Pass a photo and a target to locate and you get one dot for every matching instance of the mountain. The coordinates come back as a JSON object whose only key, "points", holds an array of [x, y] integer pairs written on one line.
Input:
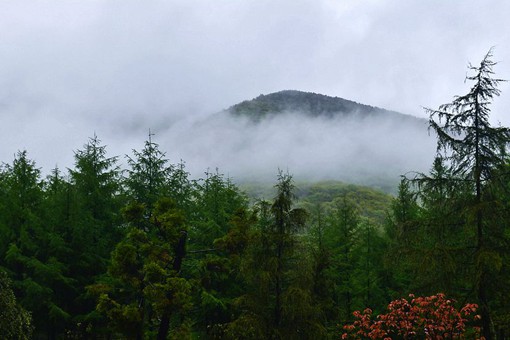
{"points": [[312, 136], [310, 104]]}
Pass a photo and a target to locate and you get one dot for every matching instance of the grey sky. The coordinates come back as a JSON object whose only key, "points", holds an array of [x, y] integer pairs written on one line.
{"points": [[117, 68]]}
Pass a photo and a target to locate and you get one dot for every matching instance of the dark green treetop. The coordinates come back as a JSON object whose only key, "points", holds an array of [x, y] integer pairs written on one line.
{"points": [[473, 147]]}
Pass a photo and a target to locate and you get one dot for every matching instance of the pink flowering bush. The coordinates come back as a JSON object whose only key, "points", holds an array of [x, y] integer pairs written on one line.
{"points": [[430, 317]]}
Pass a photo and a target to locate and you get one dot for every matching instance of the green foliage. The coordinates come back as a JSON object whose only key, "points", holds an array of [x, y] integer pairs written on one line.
{"points": [[222, 227], [216, 200], [21, 200], [143, 288], [370, 203], [36, 269], [450, 227], [148, 175], [15, 322], [341, 232], [278, 301], [232, 266], [347, 262], [92, 254], [477, 148]]}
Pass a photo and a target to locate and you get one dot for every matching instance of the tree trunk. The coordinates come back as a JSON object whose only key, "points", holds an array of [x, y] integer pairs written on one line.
{"points": [[484, 310], [164, 326], [278, 287]]}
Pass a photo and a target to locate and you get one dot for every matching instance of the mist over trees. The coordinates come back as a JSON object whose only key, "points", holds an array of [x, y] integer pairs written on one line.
{"points": [[318, 137], [146, 251]]}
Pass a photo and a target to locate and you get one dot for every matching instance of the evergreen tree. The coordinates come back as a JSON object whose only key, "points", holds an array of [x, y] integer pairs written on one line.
{"points": [[220, 276], [369, 274], [22, 197], [285, 223], [92, 209], [96, 183], [149, 175], [474, 151], [220, 229], [180, 188], [216, 199], [15, 322], [323, 270], [499, 210], [443, 237], [342, 229], [279, 299], [144, 295], [401, 230], [30, 253]]}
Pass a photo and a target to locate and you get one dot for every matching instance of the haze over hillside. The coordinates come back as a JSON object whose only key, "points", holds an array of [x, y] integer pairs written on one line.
{"points": [[313, 136]]}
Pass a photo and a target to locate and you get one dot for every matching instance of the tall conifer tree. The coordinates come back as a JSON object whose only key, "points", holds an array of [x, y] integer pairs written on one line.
{"points": [[149, 175], [474, 151]]}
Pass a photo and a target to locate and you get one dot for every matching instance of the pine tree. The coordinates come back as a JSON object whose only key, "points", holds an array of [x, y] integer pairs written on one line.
{"points": [[221, 230], [22, 197], [278, 303], [92, 210], [474, 151], [30, 251], [401, 230], [324, 271], [369, 272], [96, 184], [342, 229], [216, 199], [144, 295], [286, 222], [148, 177], [443, 236]]}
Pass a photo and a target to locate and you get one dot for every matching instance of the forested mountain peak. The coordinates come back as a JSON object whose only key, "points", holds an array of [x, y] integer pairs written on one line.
{"points": [[309, 103]]}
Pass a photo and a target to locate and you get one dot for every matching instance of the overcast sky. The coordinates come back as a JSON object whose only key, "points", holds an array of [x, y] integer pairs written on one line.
{"points": [[69, 69]]}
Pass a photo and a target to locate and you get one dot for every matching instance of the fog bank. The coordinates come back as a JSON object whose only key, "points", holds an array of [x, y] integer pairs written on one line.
{"points": [[371, 150]]}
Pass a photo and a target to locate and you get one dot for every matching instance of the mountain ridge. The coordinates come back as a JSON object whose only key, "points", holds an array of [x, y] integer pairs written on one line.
{"points": [[308, 103]]}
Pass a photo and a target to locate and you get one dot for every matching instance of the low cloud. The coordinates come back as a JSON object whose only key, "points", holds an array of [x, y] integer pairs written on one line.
{"points": [[371, 150]]}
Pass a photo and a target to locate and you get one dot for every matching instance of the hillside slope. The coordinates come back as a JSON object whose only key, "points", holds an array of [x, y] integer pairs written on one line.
{"points": [[371, 203], [310, 104]]}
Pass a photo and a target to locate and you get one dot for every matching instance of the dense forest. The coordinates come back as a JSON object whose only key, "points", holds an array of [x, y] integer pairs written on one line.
{"points": [[147, 252]]}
